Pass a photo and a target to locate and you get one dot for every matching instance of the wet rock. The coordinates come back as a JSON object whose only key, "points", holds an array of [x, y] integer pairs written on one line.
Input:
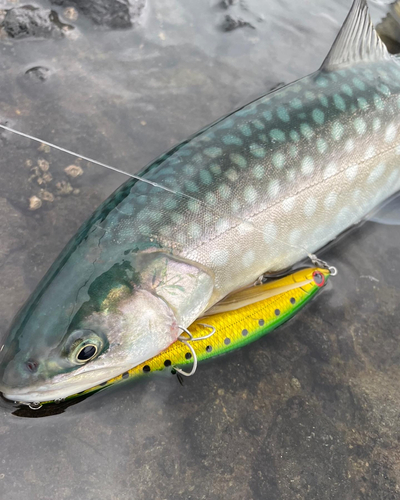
{"points": [[389, 28], [13, 230], [225, 4], [37, 74], [29, 21], [231, 23], [111, 13]]}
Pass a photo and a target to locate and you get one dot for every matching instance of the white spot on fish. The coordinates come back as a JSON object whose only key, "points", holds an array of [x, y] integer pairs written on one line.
{"points": [[288, 204], [351, 172], [248, 258], [359, 83], [235, 205], [250, 194], [349, 146], [194, 230], [210, 198], [231, 174], [273, 188], [277, 135], [369, 153], [270, 231], [345, 216], [360, 126], [297, 104], [330, 200], [339, 102], [291, 174], [306, 130], [307, 165], [322, 145], [222, 225], [283, 114], [232, 139], [362, 103], [213, 152], [245, 228], [376, 124], [224, 191], [390, 133], [330, 170], [258, 171], [318, 116], [337, 131], [310, 207], [257, 150], [219, 257], [376, 173], [239, 160], [278, 159], [295, 236]]}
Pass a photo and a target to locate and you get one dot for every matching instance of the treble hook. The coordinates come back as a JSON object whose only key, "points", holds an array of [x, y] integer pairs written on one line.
{"points": [[186, 341]]}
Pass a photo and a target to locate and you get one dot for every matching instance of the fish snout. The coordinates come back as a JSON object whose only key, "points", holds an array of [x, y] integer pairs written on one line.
{"points": [[20, 374]]}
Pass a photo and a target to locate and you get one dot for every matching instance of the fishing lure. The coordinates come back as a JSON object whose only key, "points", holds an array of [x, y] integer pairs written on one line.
{"points": [[225, 328]]}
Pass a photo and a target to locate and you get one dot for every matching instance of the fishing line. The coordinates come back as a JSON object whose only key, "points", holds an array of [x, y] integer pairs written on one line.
{"points": [[154, 184]]}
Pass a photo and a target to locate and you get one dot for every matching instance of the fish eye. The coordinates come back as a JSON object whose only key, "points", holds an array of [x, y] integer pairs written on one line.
{"points": [[319, 278], [87, 352], [83, 346]]}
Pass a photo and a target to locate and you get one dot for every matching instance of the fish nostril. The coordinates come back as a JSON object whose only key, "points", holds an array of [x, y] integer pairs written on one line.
{"points": [[32, 366]]}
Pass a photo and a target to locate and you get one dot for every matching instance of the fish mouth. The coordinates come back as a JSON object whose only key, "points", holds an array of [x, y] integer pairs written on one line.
{"points": [[60, 387]]}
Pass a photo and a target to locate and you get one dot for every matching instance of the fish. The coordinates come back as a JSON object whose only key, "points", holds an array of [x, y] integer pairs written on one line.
{"points": [[283, 299], [257, 191]]}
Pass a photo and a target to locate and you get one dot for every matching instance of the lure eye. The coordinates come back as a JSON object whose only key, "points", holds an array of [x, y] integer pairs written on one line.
{"points": [[86, 353], [319, 278]]}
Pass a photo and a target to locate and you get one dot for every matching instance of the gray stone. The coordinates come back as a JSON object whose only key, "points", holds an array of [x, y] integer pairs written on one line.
{"points": [[110, 13], [29, 21]]}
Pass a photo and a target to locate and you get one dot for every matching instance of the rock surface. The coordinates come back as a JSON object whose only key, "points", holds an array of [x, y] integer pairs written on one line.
{"points": [[109, 13], [30, 21]]}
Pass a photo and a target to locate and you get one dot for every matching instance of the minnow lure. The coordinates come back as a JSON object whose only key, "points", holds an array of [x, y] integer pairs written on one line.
{"points": [[233, 329], [255, 192]]}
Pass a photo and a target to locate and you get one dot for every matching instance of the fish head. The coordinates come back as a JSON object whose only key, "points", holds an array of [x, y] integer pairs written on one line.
{"points": [[81, 329]]}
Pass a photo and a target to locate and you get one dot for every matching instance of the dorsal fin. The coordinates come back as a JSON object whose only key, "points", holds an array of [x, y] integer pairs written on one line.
{"points": [[357, 41]]}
